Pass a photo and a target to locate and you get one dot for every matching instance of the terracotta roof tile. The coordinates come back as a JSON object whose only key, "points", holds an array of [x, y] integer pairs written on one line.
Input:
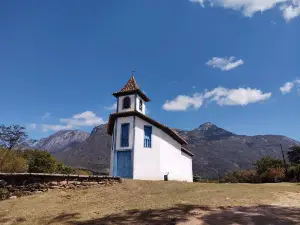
{"points": [[131, 85]]}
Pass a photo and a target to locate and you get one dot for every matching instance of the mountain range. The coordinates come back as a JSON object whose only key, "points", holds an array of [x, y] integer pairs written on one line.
{"points": [[216, 151]]}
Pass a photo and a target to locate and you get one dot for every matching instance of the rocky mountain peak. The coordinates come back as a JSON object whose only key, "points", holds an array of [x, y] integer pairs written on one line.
{"points": [[61, 139], [207, 126], [211, 132]]}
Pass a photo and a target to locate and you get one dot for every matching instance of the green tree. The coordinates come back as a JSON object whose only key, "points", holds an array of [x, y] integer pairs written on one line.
{"points": [[40, 162], [294, 155], [262, 165], [11, 137], [14, 136], [294, 172]]}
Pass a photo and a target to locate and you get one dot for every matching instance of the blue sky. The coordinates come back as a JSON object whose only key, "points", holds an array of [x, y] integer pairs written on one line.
{"points": [[198, 61]]}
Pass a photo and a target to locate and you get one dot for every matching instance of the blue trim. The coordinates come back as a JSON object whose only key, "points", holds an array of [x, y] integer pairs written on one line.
{"points": [[135, 96], [122, 140], [118, 104], [115, 151], [124, 150], [133, 137], [148, 142]]}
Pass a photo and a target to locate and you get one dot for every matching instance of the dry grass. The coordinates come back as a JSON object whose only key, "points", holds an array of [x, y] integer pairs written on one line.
{"points": [[146, 202]]}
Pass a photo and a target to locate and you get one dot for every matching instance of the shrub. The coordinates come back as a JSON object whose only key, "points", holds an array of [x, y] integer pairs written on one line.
{"points": [[62, 169], [40, 162], [263, 164], [13, 162], [243, 176], [273, 175], [4, 194], [83, 172], [294, 172]]}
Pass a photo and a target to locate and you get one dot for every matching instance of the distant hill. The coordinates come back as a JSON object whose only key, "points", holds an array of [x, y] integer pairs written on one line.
{"points": [[216, 150]]}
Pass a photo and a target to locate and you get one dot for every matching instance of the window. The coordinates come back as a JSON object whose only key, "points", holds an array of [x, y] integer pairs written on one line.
{"points": [[147, 139], [141, 105], [125, 135], [126, 103]]}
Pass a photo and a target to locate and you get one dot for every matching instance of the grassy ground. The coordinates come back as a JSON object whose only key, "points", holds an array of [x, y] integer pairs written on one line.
{"points": [[145, 202]]}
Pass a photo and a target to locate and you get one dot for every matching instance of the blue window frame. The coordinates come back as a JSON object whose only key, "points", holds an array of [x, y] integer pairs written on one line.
{"points": [[148, 135], [125, 135]]}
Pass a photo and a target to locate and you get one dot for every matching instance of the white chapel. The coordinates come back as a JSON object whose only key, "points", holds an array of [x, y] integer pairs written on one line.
{"points": [[143, 148]]}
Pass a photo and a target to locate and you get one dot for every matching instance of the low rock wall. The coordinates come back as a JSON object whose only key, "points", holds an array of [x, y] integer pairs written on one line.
{"points": [[19, 184]]}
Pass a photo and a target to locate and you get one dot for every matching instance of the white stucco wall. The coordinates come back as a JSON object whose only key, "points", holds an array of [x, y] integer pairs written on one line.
{"points": [[187, 167], [174, 162], [146, 163], [119, 122], [163, 157], [138, 98], [132, 103]]}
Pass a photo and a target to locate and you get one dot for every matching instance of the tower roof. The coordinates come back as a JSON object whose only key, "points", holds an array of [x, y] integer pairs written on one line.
{"points": [[131, 87]]}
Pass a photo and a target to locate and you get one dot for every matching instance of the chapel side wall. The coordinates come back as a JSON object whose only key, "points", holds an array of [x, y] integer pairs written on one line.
{"points": [[187, 167], [172, 161]]}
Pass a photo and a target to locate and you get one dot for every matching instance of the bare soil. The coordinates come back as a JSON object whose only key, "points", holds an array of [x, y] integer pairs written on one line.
{"points": [[150, 202]]}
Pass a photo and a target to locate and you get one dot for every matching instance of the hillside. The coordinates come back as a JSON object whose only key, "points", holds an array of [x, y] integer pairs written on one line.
{"points": [[62, 141], [216, 150]]}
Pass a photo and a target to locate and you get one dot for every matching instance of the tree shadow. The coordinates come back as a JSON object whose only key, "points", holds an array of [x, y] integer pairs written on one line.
{"points": [[254, 215]]}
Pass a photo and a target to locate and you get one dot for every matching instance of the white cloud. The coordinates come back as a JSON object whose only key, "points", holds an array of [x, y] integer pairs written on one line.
{"points": [[49, 127], [288, 86], [85, 119], [290, 8], [222, 96], [32, 126], [225, 63], [183, 102], [239, 96], [46, 115], [112, 107], [201, 2], [290, 11]]}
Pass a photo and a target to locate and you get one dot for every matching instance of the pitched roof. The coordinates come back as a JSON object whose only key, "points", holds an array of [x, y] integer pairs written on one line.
{"points": [[131, 87], [166, 129], [187, 151]]}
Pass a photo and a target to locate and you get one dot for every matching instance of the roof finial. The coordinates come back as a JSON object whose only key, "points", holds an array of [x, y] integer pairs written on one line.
{"points": [[133, 71]]}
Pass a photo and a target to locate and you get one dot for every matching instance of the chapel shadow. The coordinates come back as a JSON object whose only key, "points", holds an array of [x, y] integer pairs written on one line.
{"points": [[254, 215]]}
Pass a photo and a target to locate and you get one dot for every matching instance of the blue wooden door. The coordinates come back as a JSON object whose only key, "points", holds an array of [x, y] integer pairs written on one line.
{"points": [[124, 164]]}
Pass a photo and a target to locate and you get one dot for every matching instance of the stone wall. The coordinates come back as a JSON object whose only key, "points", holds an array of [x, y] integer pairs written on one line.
{"points": [[13, 185]]}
